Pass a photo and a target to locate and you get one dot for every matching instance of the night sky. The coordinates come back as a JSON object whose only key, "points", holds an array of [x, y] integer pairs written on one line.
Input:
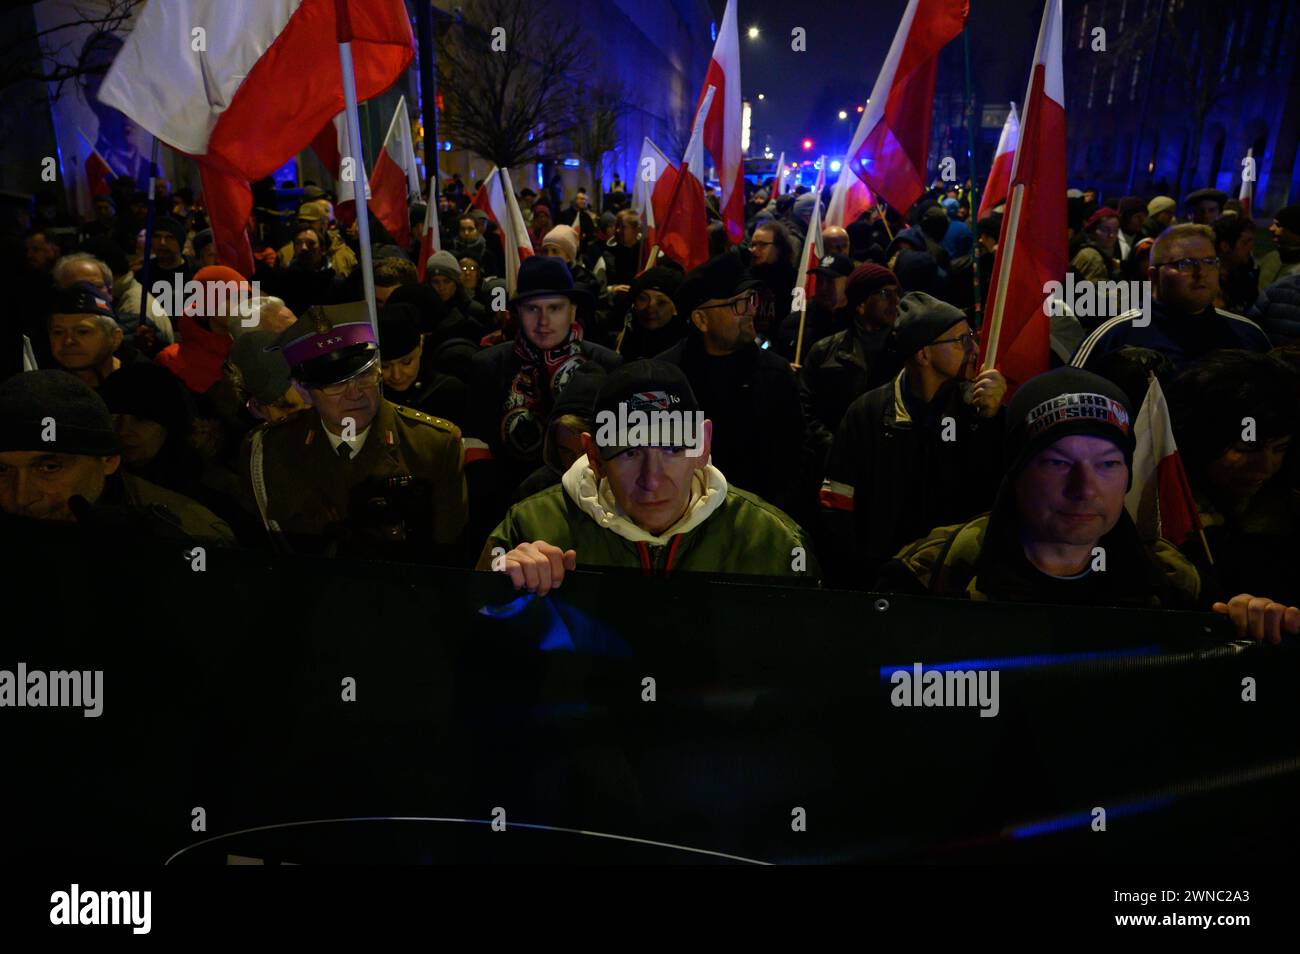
{"points": [[847, 43]]}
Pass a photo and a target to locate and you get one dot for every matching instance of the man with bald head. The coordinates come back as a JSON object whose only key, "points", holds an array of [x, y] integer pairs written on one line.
{"points": [[1183, 325], [835, 240]]}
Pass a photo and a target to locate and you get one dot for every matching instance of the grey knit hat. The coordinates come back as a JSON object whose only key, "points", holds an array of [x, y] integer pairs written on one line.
{"points": [[57, 412], [265, 373], [443, 263]]}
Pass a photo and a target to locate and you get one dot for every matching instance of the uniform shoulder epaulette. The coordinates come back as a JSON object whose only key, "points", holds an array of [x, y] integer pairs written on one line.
{"points": [[442, 424]]}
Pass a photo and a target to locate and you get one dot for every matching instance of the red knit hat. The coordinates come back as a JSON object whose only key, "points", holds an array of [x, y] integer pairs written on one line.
{"points": [[867, 279]]}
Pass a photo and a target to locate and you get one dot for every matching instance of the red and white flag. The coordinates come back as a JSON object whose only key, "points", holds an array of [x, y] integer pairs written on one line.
{"points": [[267, 82], [778, 187], [999, 182], [496, 197], [812, 243], [1247, 193], [430, 241], [331, 146], [654, 184], [98, 172], [891, 145], [394, 178], [1160, 501], [722, 127], [684, 230], [1032, 244]]}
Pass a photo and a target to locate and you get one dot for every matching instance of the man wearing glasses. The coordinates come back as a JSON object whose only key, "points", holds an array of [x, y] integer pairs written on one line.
{"points": [[357, 475], [1184, 324], [749, 393], [920, 452]]}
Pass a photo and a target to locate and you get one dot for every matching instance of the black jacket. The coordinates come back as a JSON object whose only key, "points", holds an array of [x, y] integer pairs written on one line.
{"points": [[753, 402], [892, 477], [836, 371]]}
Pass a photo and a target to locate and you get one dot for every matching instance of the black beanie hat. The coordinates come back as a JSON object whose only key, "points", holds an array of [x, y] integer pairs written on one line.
{"points": [[1061, 403], [149, 391], [55, 404], [399, 330]]}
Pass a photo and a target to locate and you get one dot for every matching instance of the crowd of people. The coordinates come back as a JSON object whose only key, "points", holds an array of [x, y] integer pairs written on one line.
{"points": [[854, 442]]}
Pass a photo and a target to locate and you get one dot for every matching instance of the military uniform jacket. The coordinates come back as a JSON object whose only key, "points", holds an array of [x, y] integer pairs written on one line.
{"points": [[306, 488]]}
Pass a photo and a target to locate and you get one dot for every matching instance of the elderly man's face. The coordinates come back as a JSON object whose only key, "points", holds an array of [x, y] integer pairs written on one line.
{"points": [[728, 324], [652, 485], [354, 401], [1193, 291], [546, 321], [39, 484], [1072, 493], [87, 273], [82, 342]]}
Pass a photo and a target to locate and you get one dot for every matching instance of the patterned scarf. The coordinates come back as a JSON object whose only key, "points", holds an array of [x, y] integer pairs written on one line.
{"points": [[541, 377]]}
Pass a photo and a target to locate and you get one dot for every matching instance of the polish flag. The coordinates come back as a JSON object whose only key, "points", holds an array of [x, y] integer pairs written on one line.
{"points": [[812, 243], [891, 146], [267, 83], [723, 122], [684, 232], [995, 190], [331, 146], [1247, 193], [98, 172], [1160, 501], [778, 187], [655, 176], [394, 178], [1032, 244], [496, 197], [849, 199], [430, 241]]}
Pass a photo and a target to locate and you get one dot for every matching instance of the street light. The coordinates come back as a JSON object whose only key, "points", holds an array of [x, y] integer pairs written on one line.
{"points": [[753, 33], [761, 96], [843, 114], [807, 144]]}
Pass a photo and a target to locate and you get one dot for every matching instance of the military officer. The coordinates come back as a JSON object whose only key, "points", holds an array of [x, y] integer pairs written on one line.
{"points": [[356, 475]]}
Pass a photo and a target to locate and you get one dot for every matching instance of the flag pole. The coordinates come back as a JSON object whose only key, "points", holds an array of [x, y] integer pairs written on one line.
{"points": [[1004, 273], [344, 24], [148, 228], [884, 217], [970, 157]]}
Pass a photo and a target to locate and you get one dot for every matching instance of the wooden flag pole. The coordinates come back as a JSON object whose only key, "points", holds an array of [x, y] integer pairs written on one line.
{"points": [[879, 208], [1005, 255]]}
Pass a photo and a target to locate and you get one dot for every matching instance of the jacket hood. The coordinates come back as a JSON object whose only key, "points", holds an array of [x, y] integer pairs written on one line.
{"points": [[708, 491]]}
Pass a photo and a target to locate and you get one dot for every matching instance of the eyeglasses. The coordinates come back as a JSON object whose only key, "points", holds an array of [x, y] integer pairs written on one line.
{"points": [[1192, 264], [469, 268], [365, 380], [967, 341], [739, 306]]}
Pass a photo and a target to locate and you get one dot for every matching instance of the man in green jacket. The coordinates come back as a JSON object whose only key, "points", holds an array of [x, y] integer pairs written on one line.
{"points": [[645, 495], [1058, 532]]}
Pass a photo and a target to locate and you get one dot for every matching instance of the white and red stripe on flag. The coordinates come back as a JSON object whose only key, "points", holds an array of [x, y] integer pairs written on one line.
{"points": [[1160, 500], [431, 240], [394, 179], [722, 126], [1247, 194], [496, 197], [267, 84], [999, 181]]}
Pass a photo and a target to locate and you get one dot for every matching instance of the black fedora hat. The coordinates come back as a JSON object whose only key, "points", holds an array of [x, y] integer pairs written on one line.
{"points": [[545, 276]]}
